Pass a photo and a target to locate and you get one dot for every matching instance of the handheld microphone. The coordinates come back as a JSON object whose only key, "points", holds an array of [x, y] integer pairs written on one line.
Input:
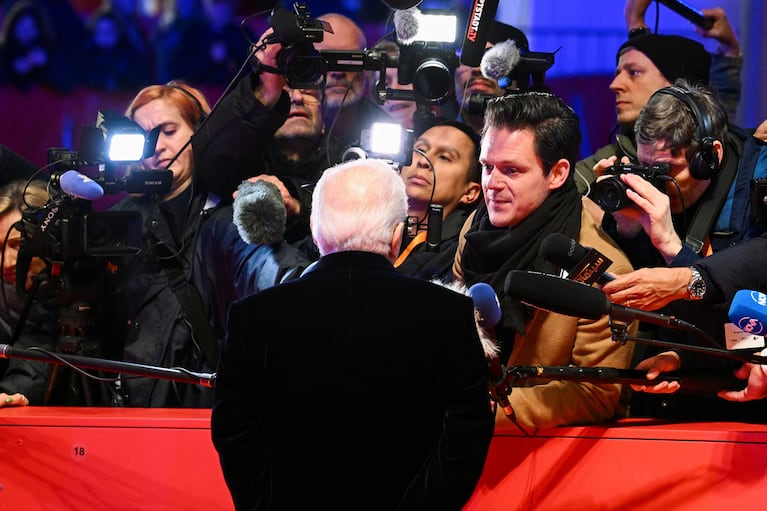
{"points": [[481, 17], [572, 298], [689, 13], [498, 62], [79, 185], [406, 24], [259, 213], [586, 265], [486, 304], [748, 311], [434, 228]]}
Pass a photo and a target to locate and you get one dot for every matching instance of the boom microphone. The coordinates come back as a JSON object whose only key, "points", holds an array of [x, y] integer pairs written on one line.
{"points": [[406, 24], [571, 298], [582, 264], [688, 383], [486, 304], [498, 62], [481, 18], [79, 185], [748, 311], [259, 212]]}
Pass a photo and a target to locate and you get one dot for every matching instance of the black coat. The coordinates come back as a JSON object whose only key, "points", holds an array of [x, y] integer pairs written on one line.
{"points": [[352, 387]]}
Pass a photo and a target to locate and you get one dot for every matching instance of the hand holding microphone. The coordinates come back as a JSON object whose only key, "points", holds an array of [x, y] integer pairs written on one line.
{"points": [[259, 212]]}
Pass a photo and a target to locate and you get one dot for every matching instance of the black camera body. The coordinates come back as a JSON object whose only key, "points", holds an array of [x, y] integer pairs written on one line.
{"points": [[298, 60], [610, 193]]}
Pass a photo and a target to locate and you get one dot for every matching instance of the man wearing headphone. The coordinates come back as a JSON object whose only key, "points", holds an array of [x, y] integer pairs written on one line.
{"points": [[697, 207]]}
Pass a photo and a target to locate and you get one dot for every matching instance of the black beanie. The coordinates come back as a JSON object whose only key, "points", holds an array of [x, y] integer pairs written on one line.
{"points": [[500, 32], [674, 56]]}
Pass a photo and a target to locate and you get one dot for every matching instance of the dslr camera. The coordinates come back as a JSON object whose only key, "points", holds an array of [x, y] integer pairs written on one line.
{"points": [[610, 193]]}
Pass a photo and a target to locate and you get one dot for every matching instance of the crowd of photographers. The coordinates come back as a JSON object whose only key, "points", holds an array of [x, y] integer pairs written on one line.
{"points": [[679, 184]]}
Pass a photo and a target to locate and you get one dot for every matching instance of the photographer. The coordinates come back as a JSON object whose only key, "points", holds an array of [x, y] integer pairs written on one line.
{"points": [[649, 61], [700, 207], [23, 382]]}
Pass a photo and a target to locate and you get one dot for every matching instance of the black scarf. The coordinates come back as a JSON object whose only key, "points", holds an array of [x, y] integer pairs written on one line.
{"points": [[492, 252]]}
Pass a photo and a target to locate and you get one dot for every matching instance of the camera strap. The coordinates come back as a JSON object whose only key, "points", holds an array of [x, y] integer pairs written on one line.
{"points": [[711, 206], [191, 304]]}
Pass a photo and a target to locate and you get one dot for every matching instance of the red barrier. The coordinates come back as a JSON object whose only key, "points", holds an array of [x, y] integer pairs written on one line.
{"points": [[163, 459]]}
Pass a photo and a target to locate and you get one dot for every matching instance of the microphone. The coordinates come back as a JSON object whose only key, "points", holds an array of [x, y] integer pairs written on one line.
{"points": [[586, 265], [689, 13], [498, 62], [481, 17], [434, 228], [748, 311], [689, 383], [406, 24], [259, 213], [486, 304], [79, 185], [572, 298]]}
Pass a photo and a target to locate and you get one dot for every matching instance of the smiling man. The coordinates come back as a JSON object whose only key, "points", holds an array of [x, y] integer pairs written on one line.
{"points": [[529, 146]]}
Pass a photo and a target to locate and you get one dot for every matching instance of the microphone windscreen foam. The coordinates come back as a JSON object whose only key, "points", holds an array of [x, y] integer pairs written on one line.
{"points": [[259, 213], [561, 250], [555, 294], [406, 25], [500, 60]]}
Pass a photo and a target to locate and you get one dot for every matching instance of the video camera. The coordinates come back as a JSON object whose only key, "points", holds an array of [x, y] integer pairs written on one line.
{"points": [[610, 193], [427, 64], [66, 227]]}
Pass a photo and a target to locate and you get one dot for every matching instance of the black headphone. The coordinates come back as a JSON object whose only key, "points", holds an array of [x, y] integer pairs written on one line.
{"points": [[704, 164], [203, 115]]}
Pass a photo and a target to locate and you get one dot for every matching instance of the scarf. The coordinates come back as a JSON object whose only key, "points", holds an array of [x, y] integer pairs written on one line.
{"points": [[491, 252]]}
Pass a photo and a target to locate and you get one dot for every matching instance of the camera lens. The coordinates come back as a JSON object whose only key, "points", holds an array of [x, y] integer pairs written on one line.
{"points": [[303, 66], [610, 194], [432, 80]]}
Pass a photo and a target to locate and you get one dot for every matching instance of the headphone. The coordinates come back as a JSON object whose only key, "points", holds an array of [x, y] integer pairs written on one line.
{"points": [[704, 164], [203, 115]]}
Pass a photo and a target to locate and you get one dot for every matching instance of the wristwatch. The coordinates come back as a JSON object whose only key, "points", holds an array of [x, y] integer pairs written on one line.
{"points": [[634, 32], [696, 289]]}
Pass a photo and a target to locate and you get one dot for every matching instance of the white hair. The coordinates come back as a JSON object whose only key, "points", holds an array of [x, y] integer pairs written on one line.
{"points": [[357, 205]]}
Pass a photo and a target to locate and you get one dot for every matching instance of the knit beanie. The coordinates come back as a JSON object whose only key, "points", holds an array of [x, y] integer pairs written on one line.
{"points": [[674, 56], [500, 32]]}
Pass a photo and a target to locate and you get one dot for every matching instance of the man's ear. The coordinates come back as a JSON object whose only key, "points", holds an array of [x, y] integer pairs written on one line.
{"points": [[558, 174], [471, 194], [718, 150], [396, 242]]}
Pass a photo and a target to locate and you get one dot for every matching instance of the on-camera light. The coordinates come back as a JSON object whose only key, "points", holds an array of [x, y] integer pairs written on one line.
{"points": [[436, 28], [385, 138]]}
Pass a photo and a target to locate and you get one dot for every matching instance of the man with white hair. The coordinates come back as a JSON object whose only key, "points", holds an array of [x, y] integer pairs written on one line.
{"points": [[397, 401]]}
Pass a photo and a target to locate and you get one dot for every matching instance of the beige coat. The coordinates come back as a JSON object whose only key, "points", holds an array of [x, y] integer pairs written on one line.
{"points": [[554, 340]]}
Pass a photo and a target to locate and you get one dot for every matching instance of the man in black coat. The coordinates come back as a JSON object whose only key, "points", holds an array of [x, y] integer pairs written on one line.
{"points": [[370, 390]]}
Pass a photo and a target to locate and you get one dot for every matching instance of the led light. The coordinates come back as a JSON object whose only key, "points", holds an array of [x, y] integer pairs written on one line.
{"points": [[436, 28]]}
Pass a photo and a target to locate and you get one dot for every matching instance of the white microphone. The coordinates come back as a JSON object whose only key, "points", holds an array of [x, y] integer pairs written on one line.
{"points": [[259, 213], [406, 24], [79, 185], [499, 61]]}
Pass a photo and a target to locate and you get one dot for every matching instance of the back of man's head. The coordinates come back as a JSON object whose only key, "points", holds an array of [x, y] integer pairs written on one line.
{"points": [[357, 205], [555, 125], [674, 56]]}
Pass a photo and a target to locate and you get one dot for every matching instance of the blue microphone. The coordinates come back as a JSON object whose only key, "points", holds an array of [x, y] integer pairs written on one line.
{"points": [[79, 185], [748, 311], [486, 304]]}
